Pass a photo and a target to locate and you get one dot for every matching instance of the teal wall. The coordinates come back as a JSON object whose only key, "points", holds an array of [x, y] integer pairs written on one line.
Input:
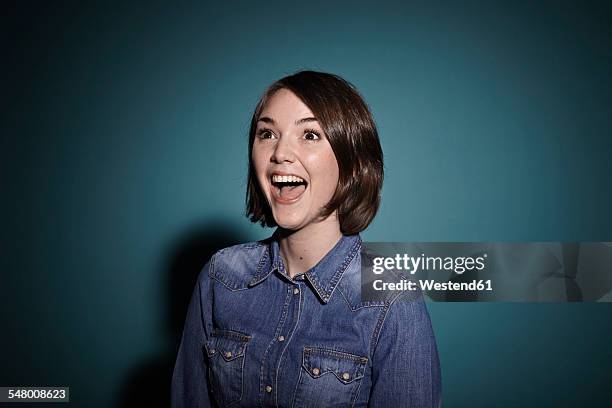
{"points": [[123, 143]]}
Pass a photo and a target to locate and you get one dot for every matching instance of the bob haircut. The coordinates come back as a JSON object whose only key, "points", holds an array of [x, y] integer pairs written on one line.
{"points": [[350, 129]]}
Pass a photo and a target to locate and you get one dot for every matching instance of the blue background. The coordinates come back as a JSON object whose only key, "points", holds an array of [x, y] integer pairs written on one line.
{"points": [[124, 158]]}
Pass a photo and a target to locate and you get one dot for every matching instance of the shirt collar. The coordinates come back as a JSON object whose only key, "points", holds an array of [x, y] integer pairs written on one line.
{"points": [[324, 276]]}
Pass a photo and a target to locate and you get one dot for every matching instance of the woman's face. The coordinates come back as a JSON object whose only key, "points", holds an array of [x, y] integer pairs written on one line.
{"points": [[295, 165]]}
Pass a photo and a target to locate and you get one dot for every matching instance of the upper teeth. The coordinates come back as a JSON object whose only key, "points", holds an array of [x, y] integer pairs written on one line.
{"points": [[287, 179]]}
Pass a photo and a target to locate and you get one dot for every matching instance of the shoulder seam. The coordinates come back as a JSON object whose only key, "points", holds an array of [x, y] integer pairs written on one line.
{"points": [[219, 259], [381, 321]]}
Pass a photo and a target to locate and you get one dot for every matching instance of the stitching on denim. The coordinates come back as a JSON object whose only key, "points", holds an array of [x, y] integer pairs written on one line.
{"points": [[211, 267], [318, 286], [353, 358], [211, 383], [259, 274], [349, 258], [290, 335], [225, 280], [207, 347], [209, 380], [335, 353], [252, 245], [323, 293], [315, 284], [354, 396], [297, 386], [360, 305], [262, 261], [364, 305], [242, 357], [212, 272], [334, 373], [229, 285], [231, 334], [242, 374], [382, 321], [375, 334], [265, 356], [299, 313], [346, 300]]}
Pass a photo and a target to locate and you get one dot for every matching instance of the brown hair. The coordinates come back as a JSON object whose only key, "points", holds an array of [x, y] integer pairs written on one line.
{"points": [[351, 131]]}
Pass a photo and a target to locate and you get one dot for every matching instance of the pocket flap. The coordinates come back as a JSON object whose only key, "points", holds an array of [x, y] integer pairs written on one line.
{"points": [[346, 367], [228, 344]]}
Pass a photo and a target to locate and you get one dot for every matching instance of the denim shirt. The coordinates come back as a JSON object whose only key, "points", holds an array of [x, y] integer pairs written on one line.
{"points": [[255, 337]]}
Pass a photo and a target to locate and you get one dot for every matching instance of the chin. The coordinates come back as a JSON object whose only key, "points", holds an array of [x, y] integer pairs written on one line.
{"points": [[289, 222]]}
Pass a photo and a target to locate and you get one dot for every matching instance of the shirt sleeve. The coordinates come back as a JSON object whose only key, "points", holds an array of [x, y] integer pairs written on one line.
{"points": [[405, 363], [189, 382]]}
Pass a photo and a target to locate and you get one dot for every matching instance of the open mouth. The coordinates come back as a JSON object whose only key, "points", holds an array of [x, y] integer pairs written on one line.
{"points": [[287, 189]]}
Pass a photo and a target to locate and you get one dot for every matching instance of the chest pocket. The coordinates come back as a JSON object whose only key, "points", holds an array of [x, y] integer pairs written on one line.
{"points": [[328, 378], [225, 351]]}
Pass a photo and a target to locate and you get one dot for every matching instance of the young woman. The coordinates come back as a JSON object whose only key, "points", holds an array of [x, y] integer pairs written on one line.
{"points": [[281, 322]]}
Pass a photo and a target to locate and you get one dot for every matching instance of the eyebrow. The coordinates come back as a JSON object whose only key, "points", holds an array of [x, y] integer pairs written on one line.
{"points": [[298, 122]]}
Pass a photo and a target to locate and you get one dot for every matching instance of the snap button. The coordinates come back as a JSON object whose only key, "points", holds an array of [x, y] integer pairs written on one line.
{"points": [[346, 376], [213, 351], [281, 338], [316, 371], [228, 354], [268, 388], [296, 291]]}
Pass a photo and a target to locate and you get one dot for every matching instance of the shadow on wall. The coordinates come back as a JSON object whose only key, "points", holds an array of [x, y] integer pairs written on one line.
{"points": [[148, 382]]}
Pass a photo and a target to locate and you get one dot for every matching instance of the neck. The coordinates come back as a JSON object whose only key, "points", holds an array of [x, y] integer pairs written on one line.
{"points": [[304, 248]]}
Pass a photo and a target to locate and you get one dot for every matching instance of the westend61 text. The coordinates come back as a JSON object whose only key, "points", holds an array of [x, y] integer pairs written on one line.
{"points": [[430, 284]]}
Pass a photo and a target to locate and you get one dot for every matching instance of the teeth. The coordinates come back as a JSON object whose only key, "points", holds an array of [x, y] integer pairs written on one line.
{"points": [[286, 179]]}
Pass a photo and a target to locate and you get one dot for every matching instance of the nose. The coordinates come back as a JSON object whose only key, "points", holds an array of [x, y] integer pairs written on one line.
{"points": [[283, 151]]}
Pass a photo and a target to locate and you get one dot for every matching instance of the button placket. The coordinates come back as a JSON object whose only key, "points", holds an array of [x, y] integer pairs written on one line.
{"points": [[269, 370], [281, 338]]}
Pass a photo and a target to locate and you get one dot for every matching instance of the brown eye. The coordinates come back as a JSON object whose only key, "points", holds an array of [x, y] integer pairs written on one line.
{"points": [[310, 134], [265, 134]]}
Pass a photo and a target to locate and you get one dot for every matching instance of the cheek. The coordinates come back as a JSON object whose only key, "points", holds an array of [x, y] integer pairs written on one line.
{"points": [[260, 156], [256, 157], [326, 171], [259, 165]]}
